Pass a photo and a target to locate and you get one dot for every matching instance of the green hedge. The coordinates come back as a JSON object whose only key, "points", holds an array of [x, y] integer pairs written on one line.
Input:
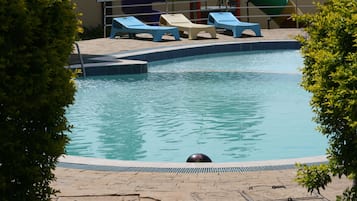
{"points": [[36, 37], [330, 75]]}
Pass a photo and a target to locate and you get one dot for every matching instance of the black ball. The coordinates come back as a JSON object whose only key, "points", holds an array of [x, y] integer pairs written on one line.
{"points": [[194, 158]]}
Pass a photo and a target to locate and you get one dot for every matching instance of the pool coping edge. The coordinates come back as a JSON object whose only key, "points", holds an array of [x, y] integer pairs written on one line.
{"points": [[78, 162]]}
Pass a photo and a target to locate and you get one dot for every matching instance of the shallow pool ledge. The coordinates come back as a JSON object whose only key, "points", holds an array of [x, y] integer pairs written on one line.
{"points": [[171, 52], [134, 62], [120, 66], [98, 164]]}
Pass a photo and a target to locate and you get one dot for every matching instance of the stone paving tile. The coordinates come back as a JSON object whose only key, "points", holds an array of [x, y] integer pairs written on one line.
{"points": [[248, 186], [106, 198], [283, 192], [102, 46]]}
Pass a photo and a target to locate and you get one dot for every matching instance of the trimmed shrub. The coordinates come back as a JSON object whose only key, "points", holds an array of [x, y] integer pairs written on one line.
{"points": [[330, 74], [36, 37]]}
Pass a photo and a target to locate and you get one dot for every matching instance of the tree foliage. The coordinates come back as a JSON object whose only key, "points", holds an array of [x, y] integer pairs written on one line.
{"points": [[313, 177], [36, 37], [330, 74]]}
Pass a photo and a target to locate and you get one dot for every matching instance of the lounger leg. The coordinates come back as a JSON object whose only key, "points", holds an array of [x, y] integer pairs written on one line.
{"points": [[192, 34], [213, 34], [157, 37], [176, 35], [131, 35], [257, 31], [237, 32], [113, 32]]}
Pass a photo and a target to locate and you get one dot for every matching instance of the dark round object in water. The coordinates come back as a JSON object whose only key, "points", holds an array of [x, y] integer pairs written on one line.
{"points": [[194, 158]]}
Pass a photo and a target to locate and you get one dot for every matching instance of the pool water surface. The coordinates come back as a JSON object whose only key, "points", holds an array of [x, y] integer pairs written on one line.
{"points": [[234, 107]]}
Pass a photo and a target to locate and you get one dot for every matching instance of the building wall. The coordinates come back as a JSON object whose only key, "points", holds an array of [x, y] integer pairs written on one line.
{"points": [[92, 14]]}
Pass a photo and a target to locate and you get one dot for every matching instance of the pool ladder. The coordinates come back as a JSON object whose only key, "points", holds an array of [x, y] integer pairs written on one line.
{"points": [[81, 60]]}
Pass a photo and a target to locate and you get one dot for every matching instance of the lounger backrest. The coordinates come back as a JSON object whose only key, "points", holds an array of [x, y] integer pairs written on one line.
{"points": [[222, 17], [129, 21], [176, 19]]}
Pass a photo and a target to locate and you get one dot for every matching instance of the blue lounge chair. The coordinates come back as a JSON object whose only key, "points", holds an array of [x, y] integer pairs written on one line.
{"points": [[227, 20], [134, 26]]}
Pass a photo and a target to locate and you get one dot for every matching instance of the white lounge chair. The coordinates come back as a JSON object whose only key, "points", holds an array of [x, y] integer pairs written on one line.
{"points": [[185, 25]]}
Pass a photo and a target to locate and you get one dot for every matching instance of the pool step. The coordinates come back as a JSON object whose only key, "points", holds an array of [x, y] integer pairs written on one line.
{"points": [[121, 66]]}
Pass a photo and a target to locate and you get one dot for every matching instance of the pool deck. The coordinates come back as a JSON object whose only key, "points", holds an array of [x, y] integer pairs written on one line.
{"points": [[85, 183]]}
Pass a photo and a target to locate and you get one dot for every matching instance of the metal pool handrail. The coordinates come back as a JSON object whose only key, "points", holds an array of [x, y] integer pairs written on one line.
{"points": [[81, 59]]}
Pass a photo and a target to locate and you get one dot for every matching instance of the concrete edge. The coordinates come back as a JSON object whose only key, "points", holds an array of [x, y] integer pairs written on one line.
{"points": [[87, 163]]}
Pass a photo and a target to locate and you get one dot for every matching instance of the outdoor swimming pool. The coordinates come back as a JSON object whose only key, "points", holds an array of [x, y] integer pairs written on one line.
{"points": [[234, 107]]}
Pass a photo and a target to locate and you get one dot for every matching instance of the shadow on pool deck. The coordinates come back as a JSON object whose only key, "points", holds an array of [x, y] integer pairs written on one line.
{"points": [[80, 184]]}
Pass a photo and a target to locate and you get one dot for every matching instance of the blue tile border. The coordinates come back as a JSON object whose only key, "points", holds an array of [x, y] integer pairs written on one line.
{"points": [[117, 69], [183, 51], [140, 58]]}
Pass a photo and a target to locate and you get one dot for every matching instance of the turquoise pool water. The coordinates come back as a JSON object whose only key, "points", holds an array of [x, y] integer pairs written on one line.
{"points": [[240, 106]]}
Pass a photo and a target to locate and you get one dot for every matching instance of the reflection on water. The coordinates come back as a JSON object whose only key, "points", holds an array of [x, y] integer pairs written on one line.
{"points": [[230, 115]]}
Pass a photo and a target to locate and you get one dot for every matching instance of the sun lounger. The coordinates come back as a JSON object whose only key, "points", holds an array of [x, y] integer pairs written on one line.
{"points": [[227, 20], [134, 26], [185, 25]]}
